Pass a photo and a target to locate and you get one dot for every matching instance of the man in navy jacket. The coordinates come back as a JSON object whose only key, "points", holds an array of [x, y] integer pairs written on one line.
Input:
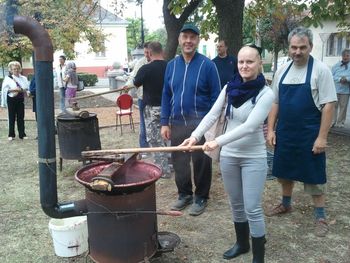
{"points": [[191, 86], [225, 63]]}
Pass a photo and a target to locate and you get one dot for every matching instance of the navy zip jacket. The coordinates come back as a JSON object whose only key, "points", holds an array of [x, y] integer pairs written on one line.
{"points": [[189, 90]]}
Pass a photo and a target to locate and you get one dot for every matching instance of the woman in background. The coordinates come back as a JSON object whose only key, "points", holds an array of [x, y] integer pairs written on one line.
{"points": [[71, 80], [14, 89]]}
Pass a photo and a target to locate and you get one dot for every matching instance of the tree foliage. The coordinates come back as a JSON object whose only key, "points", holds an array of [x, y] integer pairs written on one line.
{"points": [[176, 13], [314, 11], [318, 11], [249, 28], [159, 35], [274, 23], [133, 32], [223, 17], [67, 22]]}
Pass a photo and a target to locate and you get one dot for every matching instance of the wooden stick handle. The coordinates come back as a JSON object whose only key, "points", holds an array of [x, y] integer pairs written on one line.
{"points": [[158, 212], [142, 150], [100, 93]]}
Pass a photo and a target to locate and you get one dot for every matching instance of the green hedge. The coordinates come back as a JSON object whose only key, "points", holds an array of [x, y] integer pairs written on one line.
{"points": [[88, 79]]}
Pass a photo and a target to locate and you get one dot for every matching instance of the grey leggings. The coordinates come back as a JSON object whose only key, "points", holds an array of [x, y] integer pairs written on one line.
{"points": [[244, 180]]}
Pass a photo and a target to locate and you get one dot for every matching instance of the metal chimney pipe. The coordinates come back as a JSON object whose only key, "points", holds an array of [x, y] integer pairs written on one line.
{"points": [[43, 51]]}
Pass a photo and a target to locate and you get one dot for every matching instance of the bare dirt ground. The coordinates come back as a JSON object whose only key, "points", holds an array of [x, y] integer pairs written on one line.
{"points": [[24, 227]]}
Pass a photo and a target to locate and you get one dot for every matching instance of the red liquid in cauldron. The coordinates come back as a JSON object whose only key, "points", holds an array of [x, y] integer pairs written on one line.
{"points": [[137, 174]]}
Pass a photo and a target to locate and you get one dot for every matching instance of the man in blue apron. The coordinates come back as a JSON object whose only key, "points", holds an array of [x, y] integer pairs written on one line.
{"points": [[303, 110]]}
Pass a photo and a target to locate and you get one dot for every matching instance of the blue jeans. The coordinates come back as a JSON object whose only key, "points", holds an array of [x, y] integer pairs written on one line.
{"points": [[62, 98], [142, 136]]}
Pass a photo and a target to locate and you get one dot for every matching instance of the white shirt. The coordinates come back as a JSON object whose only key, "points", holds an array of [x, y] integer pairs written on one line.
{"points": [[60, 73], [9, 84], [322, 84], [244, 133], [130, 83]]}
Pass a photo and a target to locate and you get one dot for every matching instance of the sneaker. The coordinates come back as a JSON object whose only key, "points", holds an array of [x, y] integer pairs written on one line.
{"points": [[198, 207], [321, 228], [182, 202], [278, 210], [24, 138], [10, 138]]}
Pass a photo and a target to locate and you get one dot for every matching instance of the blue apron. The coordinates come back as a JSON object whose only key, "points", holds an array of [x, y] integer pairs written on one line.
{"points": [[297, 128]]}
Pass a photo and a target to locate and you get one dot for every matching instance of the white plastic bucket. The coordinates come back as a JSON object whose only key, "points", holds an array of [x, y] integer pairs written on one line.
{"points": [[69, 235]]}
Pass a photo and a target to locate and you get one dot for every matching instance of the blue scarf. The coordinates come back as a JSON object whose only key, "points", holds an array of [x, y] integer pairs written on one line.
{"points": [[238, 92]]}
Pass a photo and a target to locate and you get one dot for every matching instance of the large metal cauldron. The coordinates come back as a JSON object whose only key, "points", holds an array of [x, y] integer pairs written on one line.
{"points": [[77, 134], [121, 225]]}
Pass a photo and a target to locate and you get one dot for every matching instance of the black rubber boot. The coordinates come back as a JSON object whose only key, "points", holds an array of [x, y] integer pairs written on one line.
{"points": [[242, 244], [258, 245]]}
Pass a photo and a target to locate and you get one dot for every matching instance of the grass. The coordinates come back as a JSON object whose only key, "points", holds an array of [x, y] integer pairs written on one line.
{"points": [[24, 227]]}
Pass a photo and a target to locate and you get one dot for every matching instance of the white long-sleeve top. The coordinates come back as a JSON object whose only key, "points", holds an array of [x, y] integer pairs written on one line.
{"points": [[130, 83], [59, 76], [244, 133], [10, 84]]}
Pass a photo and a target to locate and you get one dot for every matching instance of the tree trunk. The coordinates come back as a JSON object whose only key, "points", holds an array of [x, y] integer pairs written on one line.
{"points": [[230, 18], [173, 25], [275, 59]]}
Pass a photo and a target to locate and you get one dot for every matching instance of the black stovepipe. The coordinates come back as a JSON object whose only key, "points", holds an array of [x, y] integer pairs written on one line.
{"points": [[43, 51]]}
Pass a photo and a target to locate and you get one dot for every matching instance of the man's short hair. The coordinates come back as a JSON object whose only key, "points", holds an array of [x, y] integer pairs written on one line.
{"points": [[146, 44], [301, 32], [63, 57], [155, 47], [222, 40], [345, 51]]}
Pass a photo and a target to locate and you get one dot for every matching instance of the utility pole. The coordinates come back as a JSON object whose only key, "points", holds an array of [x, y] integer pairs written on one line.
{"points": [[140, 2]]}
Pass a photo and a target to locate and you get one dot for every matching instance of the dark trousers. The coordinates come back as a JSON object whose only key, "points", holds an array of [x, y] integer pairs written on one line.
{"points": [[15, 108], [202, 168], [34, 107]]}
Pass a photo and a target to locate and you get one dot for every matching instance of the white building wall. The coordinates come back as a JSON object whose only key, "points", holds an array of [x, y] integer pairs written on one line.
{"points": [[319, 46], [208, 47], [116, 49]]}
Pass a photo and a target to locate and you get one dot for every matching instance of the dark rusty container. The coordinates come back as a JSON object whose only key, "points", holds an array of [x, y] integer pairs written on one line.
{"points": [[77, 134], [115, 234]]}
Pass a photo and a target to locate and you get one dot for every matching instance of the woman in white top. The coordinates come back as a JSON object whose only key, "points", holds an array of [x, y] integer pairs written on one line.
{"points": [[243, 154], [14, 89]]}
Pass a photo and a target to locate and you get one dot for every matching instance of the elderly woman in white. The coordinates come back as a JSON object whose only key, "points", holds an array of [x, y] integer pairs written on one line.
{"points": [[14, 89]]}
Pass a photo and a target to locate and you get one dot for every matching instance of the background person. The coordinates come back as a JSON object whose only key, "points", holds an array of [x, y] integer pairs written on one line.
{"points": [[59, 81], [341, 77], [191, 86], [151, 78], [72, 81], [226, 64], [243, 155], [130, 84], [303, 109], [14, 89], [32, 91]]}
